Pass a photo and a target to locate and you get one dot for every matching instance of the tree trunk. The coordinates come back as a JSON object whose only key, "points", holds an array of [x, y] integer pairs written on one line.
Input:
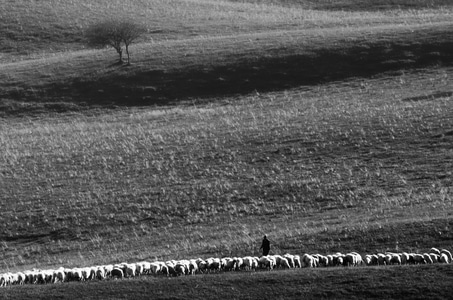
{"points": [[120, 52], [128, 57]]}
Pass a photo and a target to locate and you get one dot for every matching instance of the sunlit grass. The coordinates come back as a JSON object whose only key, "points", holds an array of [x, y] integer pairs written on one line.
{"points": [[190, 180], [36, 79], [350, 165], [45, 27]]}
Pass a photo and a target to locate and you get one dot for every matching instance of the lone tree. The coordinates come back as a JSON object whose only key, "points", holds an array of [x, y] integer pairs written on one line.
{"points": [[114, 33]]}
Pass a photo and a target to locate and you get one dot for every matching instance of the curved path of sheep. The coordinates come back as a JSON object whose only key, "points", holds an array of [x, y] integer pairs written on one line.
{"points": [[200, 266]]}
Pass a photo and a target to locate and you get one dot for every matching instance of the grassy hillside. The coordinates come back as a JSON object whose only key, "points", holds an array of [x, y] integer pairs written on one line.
{"points": [[169, 71], [354, 5], [245, 46], [31, 28], [48, 26], [326, 125], [363, 164], [409, 282]]}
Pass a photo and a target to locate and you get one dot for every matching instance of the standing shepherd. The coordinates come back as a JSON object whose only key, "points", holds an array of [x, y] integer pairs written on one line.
{"points": [[266, 246]]}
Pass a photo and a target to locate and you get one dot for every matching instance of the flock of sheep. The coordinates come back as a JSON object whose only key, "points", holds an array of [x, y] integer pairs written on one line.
{"points": [[195, 266]]}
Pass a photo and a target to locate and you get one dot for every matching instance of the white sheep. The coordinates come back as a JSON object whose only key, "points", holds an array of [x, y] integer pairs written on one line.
{"points": [[21, 278], [88, 273], [28, 276], [92, 273], [213, 264], [239, 263], [330, 260], [444, 258], [13, 278], [248, 261], [358, 258], [108, 270], [100, 273], [165, 270], [297, 261], [138, 269], [130, 270], [308, 261], [202, 265], [266, 262], [321, 260], [393, 258], [193, 267], [59, 275], [404, 258], [434, 257], [47, 276], [277, 258], [368, 260], [434, 250], [145, 267], [337, 259], [284, 263], [229, 264], [290, 259], [4, 279], [170, 267], [427, 258], [180, 269], [350, 259], [448, 253], [381, 259]]}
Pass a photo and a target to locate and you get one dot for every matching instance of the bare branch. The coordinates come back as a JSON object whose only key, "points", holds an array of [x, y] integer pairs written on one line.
{"points": [[114, 33]]}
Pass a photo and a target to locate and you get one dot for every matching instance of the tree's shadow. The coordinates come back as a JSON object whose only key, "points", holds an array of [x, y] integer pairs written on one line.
{"points": [[266, 74], [159, 87], [117, 63]]}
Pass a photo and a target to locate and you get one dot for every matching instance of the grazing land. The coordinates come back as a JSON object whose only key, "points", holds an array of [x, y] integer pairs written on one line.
{"points": [[392, 282], [327, 126]]}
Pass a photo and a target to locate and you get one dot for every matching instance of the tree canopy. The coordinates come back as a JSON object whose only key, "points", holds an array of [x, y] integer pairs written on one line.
{"points": [[114, 33]]}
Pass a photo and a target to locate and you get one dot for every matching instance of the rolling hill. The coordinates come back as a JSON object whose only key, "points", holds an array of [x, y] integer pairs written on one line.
{"points": [[325, 124]]}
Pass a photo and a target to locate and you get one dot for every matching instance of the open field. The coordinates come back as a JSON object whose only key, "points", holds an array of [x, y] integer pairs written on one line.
{"points": [[327, 126], [394, 282], [173, 71], [40, 27], [322, 168], [224, 48]]}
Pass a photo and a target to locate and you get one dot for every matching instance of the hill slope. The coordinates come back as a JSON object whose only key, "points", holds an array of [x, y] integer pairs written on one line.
{"points": [[363, 164], [30, 26], [409, 282], [327, 130], [167, 72], [245, 46]]}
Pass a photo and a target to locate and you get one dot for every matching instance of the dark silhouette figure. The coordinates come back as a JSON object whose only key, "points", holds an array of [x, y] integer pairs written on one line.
{"points": [[266, 246]]}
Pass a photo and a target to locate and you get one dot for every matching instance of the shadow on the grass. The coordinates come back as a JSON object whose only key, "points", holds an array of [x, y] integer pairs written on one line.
{"points": [[159, 87]]}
